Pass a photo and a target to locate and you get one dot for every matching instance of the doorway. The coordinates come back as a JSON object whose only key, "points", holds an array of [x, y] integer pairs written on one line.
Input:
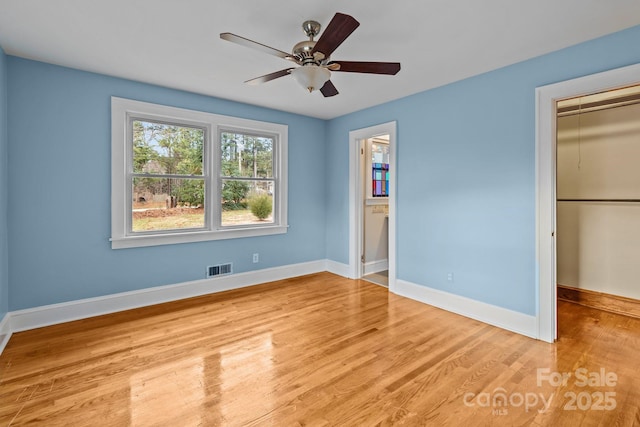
{"points": [[357, 194], [374, 173], [598, 205], [547, 98]]}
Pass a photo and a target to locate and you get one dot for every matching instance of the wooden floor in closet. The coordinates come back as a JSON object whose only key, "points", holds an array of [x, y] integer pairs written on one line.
{"points": [[319, 350]]}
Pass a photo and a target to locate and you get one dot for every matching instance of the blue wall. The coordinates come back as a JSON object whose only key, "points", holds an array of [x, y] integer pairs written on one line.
{"points": [[60, 177], [4, 188], [466, 174], [466, 182]]}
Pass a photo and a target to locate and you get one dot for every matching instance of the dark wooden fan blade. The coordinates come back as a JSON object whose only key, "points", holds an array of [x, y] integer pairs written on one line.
{"points": [[329, 89], [255, 45], [391, 68], [340, 27], [269, 77]]}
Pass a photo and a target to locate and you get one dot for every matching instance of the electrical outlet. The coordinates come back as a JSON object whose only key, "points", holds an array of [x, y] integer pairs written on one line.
{"points": [[256, 258], [450, 277]]}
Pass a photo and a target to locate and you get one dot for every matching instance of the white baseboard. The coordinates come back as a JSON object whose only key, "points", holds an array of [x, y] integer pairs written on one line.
{"points": [[338, 268], [375, 266], [5, 331], [22, 320], [493, 315]]}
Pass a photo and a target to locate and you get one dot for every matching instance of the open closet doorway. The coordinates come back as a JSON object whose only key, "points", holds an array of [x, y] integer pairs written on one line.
{"points": [[598, 200], [547, 100], [372, 247]]}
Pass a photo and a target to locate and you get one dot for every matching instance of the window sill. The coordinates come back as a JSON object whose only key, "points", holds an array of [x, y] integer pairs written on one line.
{"points": [[377, 201], [195, 236]]}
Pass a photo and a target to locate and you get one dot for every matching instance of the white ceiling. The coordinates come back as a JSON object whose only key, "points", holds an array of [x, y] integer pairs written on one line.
{"points": [[176, 43]]}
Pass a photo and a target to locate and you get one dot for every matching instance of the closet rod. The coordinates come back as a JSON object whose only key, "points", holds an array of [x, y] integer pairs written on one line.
{"points": [[601, 200], [606, 104]]}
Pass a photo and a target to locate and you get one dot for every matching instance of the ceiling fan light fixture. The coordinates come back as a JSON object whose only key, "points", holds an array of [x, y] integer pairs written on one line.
{"points": [[311, 77]]}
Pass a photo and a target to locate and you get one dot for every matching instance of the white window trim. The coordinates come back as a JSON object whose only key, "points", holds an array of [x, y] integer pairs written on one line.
{"points": [[122, 109]]}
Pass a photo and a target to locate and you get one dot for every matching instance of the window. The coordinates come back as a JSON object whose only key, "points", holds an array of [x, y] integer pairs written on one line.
{"points": [[380, 180], [247, 178], [378, 165], [183, 176], [168, 183]]}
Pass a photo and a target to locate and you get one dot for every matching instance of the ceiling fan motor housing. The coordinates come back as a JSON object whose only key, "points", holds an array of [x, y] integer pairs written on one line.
{"points": [[304, 50]]}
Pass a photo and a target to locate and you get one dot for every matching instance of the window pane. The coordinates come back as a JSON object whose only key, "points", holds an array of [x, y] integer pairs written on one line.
{"points": [[247, 202], [167, 204], [246, 155], [379, 153], [380, 180], [380, 170], [167, 149]]}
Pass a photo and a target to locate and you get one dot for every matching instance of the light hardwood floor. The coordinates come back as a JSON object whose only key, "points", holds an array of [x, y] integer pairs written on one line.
{"points": [[318, 350]]}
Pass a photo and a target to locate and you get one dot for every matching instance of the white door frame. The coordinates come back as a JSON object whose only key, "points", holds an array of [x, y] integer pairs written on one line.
{"points": [[546, 115], [355, 197]]}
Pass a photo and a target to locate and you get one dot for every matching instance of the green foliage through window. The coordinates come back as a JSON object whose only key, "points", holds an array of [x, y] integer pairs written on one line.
{"points": [[248, 159], [261, 206], [169, 150]]}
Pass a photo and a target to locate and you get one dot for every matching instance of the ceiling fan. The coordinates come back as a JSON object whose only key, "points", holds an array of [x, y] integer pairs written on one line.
{"points": [[312, 57]]}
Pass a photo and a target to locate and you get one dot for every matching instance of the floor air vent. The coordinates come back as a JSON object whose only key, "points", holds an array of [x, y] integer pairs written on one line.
{"points": [[219, 270]]}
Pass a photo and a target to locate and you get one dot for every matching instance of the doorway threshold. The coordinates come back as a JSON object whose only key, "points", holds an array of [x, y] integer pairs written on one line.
{"points": [[379, 278]]}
